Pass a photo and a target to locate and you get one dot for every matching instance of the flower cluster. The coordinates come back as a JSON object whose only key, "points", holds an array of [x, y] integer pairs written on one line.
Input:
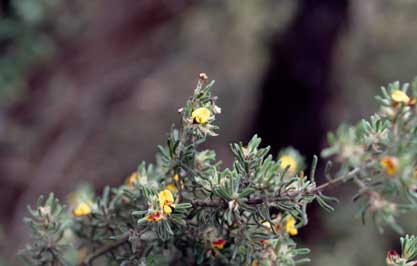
{"points": [[166, 207]]}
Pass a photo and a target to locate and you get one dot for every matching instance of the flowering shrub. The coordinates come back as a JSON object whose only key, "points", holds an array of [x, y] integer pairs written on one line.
{"points": [[186, 210]]}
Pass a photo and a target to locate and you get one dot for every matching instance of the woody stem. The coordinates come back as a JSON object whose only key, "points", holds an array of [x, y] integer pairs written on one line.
{"points": [[281, 197]]}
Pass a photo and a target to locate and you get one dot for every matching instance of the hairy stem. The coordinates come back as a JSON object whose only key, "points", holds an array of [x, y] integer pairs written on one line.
{"points": [[282, 196], [104, 249]]}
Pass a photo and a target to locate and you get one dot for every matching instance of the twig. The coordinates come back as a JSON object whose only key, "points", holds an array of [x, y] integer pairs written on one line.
{"points": [[90, 258], [281, 197], [209, 203], [337, 180]]}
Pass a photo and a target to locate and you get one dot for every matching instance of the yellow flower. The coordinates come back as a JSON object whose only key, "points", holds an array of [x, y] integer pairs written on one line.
{"points": [[172, 187], [176, 177], [290, 226], [219, 244], [166, 201], [390, 165], [255, 262], [288, 160], [154, 217], [399, 97], [201, 115], [82, 209], [132, 179]]}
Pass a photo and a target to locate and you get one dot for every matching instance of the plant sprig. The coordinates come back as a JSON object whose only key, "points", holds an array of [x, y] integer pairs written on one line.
{"points": [[196, 212]]}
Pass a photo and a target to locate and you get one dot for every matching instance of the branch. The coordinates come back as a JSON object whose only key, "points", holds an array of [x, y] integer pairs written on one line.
{"points": [[218, 203], [282, 197], [209, 203], [90, 258], [336, 180]]}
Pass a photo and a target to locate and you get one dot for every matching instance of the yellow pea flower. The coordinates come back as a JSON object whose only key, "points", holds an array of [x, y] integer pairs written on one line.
{"points": [[390, 165], [134, 177], [290, 226], [400, 97], [82, 209], [201, 115], [172, 187], [154, 217], [288, 160], [166, 201]]}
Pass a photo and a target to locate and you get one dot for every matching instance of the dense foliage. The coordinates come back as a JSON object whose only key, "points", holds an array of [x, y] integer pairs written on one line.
{"points": [[188, 210]]}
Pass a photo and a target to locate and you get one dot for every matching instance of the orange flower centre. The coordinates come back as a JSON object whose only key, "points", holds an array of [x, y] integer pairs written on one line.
{"points": [[390, 165], [154, 217], [219, 244]]}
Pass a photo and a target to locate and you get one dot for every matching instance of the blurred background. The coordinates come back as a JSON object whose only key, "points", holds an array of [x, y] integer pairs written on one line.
{"points": [[89, 88]]}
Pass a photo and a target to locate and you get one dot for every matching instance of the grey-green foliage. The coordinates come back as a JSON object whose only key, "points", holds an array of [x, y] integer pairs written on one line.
{"points": [[187, 210], [383, 149], [238, 215], [48, 223]]}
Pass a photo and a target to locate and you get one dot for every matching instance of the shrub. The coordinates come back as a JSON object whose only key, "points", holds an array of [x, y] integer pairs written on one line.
{"points": [[186, 210]]}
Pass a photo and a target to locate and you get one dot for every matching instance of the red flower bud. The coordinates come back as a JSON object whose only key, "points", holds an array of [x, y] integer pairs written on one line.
{"points": [[203, 77], [392, 256]]}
